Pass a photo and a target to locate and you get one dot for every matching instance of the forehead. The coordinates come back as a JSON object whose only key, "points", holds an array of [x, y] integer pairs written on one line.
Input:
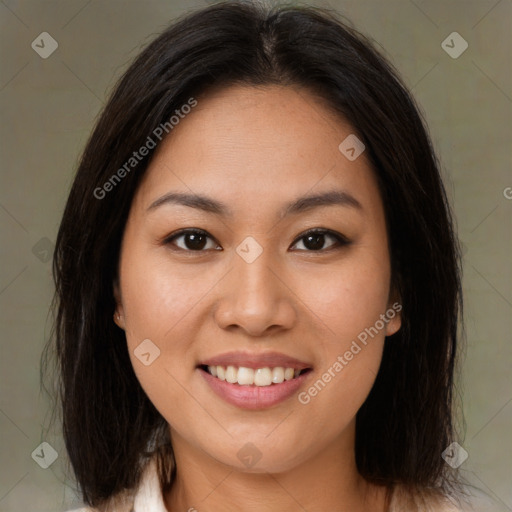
{"points": [[256, 144]]}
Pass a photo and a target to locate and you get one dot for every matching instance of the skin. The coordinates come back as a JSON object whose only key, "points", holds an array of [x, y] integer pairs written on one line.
{"points": [[306, 303]]}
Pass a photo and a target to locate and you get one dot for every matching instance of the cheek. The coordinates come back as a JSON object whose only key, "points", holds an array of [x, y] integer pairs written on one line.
{"points": [[157, 297], [160, 305], [349, 305], [341, 384], [348, 299]]}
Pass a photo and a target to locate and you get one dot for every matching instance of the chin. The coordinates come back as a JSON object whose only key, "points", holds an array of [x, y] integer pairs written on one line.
{"points": [[260, 458]]}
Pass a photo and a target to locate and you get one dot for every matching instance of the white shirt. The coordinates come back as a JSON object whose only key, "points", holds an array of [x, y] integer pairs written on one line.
{"points": [[148, 497]]}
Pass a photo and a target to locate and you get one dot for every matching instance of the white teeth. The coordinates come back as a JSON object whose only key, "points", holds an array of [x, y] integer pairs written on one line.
{"points": [[245, 376], [278, 375], [231, 374], [259, 377], [263, 377], [288, 374]]}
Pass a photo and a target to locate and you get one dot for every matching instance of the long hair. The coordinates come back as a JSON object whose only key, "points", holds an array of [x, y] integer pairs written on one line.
{"points": [[110, 427]]}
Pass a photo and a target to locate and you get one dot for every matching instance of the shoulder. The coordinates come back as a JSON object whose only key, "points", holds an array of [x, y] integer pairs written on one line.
{"points": [[147, 496], [405, 499], [119, 507], [431, 500], [118, 503], [83, 509], [476, 500], [121, 502]]}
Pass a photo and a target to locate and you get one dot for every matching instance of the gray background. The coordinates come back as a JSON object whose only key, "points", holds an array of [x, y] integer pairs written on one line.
{"points": [[48, 107]]}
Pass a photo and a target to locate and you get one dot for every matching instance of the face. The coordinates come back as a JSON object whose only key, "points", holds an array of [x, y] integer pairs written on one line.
{"points": [[240, 280]]}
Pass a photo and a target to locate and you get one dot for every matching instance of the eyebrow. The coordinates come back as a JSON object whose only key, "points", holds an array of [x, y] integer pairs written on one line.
{"points": [[299, 205]]}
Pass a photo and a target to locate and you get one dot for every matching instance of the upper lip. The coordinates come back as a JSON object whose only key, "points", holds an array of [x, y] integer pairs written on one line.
{"points": [[253, 360]]}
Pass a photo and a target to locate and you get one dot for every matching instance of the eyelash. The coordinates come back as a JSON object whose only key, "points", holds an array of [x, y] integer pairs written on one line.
{"points": [[341, 240]]}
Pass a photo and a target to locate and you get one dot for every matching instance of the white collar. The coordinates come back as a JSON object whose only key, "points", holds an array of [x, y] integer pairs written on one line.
{"points": [[149, 494]]}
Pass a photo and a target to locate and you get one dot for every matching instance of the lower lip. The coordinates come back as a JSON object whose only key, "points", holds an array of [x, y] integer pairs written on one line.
{"points": [[254, 397]]}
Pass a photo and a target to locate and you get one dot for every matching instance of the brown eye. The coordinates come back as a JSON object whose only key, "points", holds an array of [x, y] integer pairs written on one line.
{"points": [[313, 241], [193, 240]]}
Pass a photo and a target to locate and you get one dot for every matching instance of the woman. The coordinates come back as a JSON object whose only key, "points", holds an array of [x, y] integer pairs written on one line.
{"points": [[258, 280]]}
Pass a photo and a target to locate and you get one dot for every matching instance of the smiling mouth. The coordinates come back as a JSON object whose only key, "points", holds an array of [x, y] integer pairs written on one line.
{"points": [[243, 376]]}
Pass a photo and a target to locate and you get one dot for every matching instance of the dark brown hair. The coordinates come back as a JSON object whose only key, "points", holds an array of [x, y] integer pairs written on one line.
{"points": [[109, 424]]}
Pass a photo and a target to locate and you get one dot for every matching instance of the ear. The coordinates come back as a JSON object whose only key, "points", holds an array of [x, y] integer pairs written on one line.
{"points": [[119, 311], [394, 313]]}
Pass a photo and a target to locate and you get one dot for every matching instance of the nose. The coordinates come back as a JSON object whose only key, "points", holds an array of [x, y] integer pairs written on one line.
{"points": [[256, 297]]}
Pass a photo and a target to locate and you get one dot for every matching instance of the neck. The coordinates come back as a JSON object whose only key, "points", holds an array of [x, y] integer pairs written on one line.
{"points": [[327, 481]]}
